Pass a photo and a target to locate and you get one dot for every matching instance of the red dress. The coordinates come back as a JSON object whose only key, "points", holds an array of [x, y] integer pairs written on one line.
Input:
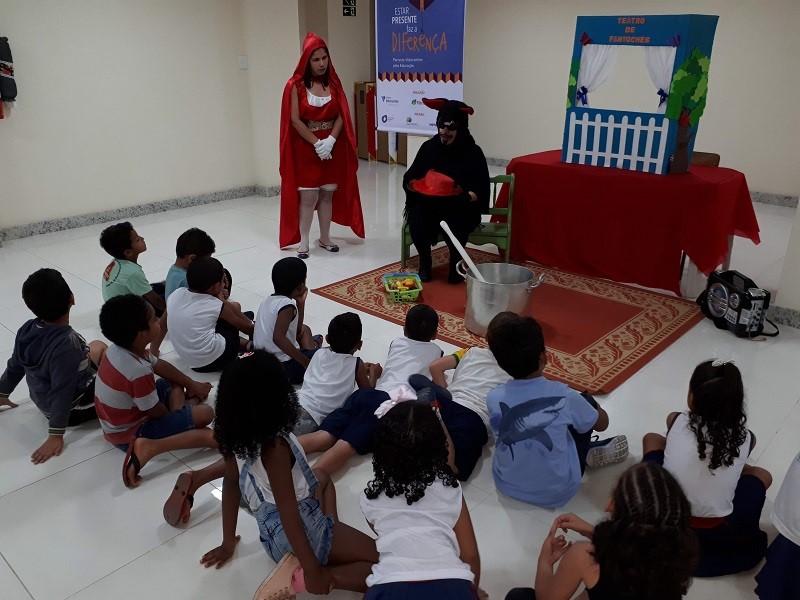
{"points": [[311, 171], [299, 157]]}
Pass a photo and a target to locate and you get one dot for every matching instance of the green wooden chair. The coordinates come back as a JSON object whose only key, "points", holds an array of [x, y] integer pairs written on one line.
{"points": [[498, 234]]}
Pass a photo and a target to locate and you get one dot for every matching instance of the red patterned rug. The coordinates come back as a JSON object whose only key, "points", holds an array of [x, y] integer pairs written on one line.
{"points": [[598, 333]]}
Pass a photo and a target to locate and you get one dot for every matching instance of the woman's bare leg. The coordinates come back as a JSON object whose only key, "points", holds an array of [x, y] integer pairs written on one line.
{"points": [[308, 203], [324, 215]]}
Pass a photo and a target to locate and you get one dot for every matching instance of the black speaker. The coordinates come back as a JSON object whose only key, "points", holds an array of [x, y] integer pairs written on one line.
{"points": [[735, 302]]}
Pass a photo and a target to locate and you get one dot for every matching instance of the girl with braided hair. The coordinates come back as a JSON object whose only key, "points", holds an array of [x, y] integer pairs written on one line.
{"points": [[414, 503], [706, 450], [644, 551]]}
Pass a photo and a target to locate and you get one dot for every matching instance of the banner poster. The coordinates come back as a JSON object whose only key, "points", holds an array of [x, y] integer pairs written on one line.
{"points": [[420, 54]]}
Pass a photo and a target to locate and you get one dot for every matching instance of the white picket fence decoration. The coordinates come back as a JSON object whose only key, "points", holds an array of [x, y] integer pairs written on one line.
{"points": [[614, 153]]}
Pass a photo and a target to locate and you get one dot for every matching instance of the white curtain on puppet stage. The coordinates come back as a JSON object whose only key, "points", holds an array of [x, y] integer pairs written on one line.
{"points": [[660, 61], [597, 62]]}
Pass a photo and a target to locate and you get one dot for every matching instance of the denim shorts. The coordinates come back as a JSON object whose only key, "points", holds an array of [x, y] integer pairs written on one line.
{"points": [[318, 526]]}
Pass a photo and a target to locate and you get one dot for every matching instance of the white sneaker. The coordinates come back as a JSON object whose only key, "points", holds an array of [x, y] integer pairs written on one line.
{"points": [[607, 452], [278, 584]]}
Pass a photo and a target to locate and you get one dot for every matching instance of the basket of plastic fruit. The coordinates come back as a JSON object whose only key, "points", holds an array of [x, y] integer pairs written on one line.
{"points": [[403, 287]]}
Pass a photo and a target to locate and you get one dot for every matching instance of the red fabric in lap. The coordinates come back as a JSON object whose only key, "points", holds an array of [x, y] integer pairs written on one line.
{"points": [[623, 225]]}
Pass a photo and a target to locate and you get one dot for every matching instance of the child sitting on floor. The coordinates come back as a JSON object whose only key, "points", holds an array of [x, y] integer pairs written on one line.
{"points": [[541, 426], [279, 322], [204, 329], [645, 550], [295, 506], [414, 503], [779, 578], [350, 429], [124, 275], [192, 243], [706, 449], [138, 414], [58, 365], [462, 404], [332, 373]]}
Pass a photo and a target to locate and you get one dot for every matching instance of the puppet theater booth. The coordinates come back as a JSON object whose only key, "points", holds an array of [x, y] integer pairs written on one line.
{"points": [[633, 220]]}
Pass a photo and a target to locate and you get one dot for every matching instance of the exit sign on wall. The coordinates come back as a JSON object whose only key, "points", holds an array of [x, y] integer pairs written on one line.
{"points": [[348, 8]]}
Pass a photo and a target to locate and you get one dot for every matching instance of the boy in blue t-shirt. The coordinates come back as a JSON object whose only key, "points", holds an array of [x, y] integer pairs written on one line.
{"points": [[192, 243], [542, 428]]}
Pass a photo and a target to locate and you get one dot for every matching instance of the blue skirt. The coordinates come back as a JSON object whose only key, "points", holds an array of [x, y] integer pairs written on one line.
{"points": [[441, 589], [779, 578]]}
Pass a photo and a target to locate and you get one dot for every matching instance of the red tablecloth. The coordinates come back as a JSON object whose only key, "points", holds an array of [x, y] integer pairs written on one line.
{"points": [[622, 225]]}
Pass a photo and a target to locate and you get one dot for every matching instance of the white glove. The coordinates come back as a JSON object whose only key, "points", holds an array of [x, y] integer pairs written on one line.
{"points": [[318, 147], [325, 149]]}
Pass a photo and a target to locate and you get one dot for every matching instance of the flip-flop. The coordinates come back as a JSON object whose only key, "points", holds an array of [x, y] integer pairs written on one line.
{"points": [[186, 511], [328, 247], [301, 254], [174, 511], [130, 459]]}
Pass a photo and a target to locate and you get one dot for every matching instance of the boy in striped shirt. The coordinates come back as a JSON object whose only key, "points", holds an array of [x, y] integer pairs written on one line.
{"points": [[138, 414]]}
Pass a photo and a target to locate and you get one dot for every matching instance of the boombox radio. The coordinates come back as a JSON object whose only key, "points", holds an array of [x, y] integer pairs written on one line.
{"points": [[735, 302]]}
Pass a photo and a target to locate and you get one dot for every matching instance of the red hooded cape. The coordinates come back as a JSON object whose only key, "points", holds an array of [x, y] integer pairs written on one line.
{"points": [[346, 199]]}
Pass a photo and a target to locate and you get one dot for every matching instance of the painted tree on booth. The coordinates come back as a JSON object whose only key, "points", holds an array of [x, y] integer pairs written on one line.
{"points": [[686, 103]]}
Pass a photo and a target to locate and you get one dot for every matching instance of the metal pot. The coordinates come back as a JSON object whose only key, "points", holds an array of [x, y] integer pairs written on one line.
{"points": [[507, 288]]}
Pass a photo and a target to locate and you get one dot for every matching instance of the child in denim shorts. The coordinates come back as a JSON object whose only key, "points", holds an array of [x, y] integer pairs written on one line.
{"points": [[294, 505]]}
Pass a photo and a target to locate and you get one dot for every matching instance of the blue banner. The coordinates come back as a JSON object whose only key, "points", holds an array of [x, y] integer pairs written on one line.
{"points": [[420, 54]]}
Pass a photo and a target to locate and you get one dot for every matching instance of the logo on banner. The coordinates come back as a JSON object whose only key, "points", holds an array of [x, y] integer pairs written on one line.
{"points": [[384, 118]]}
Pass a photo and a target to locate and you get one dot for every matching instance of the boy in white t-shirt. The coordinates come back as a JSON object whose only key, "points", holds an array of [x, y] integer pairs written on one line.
{"points": [[350, 429], [279, 324], [204, 330], [333, 372], [462, 404]]}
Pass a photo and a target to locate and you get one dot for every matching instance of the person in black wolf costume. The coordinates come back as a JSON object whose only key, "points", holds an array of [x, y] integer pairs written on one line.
{"points": [[453, 154]]}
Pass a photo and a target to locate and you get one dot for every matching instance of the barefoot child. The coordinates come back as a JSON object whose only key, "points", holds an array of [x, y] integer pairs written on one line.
{"points": [[138, 414], [295, 506], [415, 505]]}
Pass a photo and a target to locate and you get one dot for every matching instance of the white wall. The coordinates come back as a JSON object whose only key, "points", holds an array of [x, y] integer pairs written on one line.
{"points": [[120, 103], [349, 45], [789, 288], [273, 49], [517, 59]]}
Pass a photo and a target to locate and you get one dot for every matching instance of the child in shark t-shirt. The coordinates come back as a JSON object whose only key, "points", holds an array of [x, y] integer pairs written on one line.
{"points": [[542, 428]]}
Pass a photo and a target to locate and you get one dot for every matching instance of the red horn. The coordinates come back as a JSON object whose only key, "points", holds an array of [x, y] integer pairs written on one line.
{"points": [[468, 109], [434, 103]]}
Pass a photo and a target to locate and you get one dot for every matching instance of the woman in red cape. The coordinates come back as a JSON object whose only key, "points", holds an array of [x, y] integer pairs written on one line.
{"points": [[314, 113]]}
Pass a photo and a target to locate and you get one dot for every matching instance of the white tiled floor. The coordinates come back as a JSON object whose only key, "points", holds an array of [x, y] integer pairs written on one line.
{"points": [[71, 530]]}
